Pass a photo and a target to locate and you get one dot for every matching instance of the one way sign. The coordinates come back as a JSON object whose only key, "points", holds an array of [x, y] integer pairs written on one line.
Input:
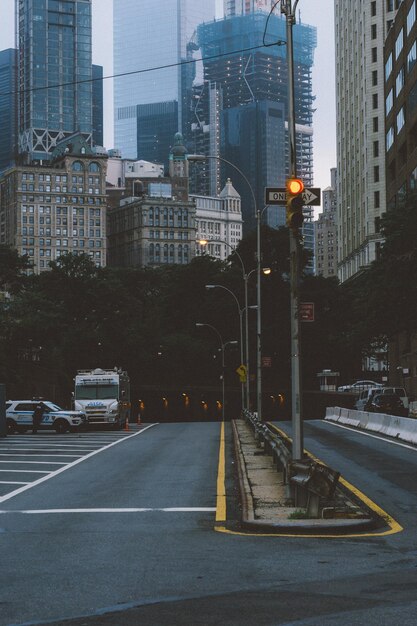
{"points": [[278, 195]]}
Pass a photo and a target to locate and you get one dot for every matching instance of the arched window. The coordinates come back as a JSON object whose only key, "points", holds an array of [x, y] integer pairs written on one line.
{"points": [[157, 253], [180, 256], [186, 254], [94, 167], [77, 166], [157, 216], [151, 253], [172, 253], [165, 253], [151, 217]]}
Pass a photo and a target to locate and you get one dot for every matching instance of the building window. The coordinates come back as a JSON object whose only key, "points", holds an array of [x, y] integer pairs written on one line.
{"points": [[412, 57], [374, 54], [399, 82], [400, 120], [375, 124], [374, 100], [373, 8], [77, 166], [411, 17], [374, 78], [373, 31], [376, 200], [376, 174], [399, 42], [413, 180], [389, 101], [389, 138]]}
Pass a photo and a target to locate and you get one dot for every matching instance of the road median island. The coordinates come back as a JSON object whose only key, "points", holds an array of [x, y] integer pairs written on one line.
{"points": [[267, 505]]}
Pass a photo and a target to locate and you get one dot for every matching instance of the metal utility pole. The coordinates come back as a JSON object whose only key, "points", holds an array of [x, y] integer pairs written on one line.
{"points": [[297, 445]]}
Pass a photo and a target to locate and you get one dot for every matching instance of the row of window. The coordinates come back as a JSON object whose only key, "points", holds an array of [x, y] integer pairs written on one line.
{"points": [[60, 210], [168, 253], [64, 199], [164, 234], [46, 245]]}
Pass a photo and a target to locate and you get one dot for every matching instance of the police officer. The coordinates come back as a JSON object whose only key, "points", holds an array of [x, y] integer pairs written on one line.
{"points": [[37, 416]]}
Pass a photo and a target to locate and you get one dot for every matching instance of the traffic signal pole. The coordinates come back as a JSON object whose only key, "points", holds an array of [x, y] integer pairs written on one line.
{"points": [[297, 432]]}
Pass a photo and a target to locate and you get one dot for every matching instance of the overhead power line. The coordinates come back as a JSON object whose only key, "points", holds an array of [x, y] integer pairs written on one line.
{"points": [[143, 71]]}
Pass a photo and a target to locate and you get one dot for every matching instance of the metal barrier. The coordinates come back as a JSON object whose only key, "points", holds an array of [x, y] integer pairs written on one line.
{"points": [[311, 482]]}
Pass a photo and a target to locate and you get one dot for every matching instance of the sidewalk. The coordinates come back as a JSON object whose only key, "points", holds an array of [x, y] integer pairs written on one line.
{"points": [[265, 505]]}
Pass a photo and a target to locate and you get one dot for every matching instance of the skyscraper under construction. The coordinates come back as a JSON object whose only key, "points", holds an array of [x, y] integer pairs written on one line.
{"points": [[245, 66]]}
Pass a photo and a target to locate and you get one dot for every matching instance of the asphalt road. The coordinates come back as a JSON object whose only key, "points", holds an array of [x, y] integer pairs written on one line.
{"points": [[124, 534]]}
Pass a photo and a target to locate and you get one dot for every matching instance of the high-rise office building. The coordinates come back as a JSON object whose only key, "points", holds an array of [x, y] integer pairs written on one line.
{"points": [[98, 106], [239, 7], [55, 71], [251, 121], [8, 60], [360, 32], [149, 36], [325, 227]]}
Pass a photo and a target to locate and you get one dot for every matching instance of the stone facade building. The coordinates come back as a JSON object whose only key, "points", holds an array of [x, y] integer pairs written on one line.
{"points": [[57, 207]]}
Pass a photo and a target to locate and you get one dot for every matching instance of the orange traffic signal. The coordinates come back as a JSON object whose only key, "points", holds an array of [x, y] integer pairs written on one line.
{"points": [[295, 186], [295, 203]]}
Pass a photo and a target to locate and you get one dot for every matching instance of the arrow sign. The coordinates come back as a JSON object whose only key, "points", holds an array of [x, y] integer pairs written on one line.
{"points": [[278, 195]]}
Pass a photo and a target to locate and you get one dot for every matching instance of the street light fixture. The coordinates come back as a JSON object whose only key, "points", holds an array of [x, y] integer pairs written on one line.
{"points": [[240, 311], [258, 214], [223, 346]]}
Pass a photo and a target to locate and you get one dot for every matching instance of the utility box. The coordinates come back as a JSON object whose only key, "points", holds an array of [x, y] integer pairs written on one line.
{"points": [[328, 380], [3, 427]]}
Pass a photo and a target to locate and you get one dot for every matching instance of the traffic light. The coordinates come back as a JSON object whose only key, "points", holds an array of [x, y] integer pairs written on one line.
{"points": [[295, 217]]}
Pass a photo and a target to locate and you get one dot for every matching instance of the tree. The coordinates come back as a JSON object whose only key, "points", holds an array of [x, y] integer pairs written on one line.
{"points": [[13, 269]]}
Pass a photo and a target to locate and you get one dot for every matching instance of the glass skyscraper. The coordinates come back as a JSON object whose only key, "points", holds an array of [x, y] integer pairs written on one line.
{"points": [[252, 82], [55, 71], [8, 59], [151, 40]]}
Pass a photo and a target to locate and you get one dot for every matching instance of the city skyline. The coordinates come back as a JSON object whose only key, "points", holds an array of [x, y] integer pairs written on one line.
{"points": [[319, 14]]}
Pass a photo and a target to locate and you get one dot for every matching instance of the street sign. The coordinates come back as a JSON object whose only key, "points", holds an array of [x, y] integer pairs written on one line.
{"points": [[241, 371], [267, 361], [306, 311], [278, 195]]}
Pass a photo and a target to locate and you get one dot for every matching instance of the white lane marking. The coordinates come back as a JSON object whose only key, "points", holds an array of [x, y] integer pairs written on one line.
{"points": [[190, 509], [12, 482], [23, 456], [80, 449], [12, 494], [27, 471], [36, 462], [395, 443]]}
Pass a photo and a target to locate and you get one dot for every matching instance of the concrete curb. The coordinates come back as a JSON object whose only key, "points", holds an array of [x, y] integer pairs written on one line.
{"points": [[287, 526]]}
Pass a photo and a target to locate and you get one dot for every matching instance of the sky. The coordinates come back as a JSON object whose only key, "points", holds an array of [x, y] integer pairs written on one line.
{"points": [[317, 13]]}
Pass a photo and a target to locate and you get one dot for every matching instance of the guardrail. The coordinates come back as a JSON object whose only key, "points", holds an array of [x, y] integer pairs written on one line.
{"points": [[310, 484]]}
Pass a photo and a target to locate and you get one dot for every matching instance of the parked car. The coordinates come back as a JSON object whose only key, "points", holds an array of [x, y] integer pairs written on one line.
{"points": [[388, 403], [19, 417], [359, 385], [366, 396]]}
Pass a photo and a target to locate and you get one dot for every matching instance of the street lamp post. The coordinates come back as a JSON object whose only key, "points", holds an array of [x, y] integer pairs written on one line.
{"points": [[223, 346], [203, 157], [240, 311], [297, 446]]}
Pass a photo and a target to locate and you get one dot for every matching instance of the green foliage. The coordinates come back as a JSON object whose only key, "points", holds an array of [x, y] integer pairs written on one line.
{"points": [[78, 316], [385, 296], [13, 269]]}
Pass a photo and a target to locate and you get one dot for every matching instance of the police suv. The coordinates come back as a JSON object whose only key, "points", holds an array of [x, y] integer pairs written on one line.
{"points": [[19, 414]]}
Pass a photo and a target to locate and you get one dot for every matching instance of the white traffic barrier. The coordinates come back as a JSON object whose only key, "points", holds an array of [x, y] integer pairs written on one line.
{"points": [[403, 428]]}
